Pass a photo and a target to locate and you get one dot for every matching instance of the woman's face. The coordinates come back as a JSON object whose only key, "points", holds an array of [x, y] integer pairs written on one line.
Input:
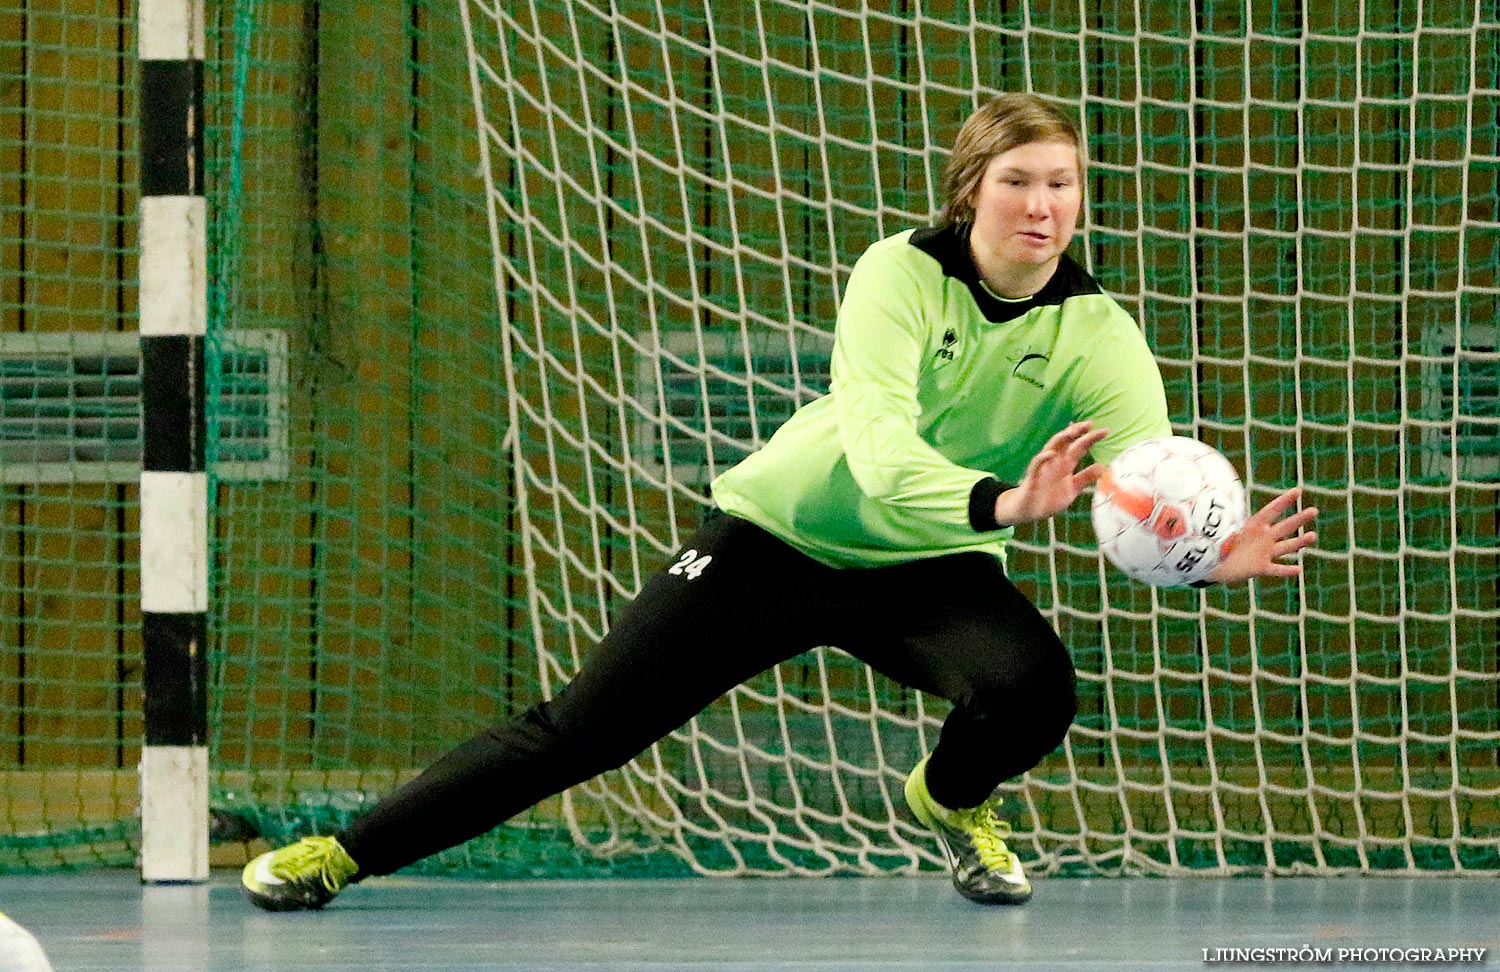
{"points": [[1026, 206]]}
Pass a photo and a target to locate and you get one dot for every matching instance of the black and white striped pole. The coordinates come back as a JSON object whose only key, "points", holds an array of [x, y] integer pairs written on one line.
{"points": [[174, 484]]}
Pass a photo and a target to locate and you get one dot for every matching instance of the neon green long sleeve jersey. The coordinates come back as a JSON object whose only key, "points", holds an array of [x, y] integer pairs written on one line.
{"points": [[941, 395]]}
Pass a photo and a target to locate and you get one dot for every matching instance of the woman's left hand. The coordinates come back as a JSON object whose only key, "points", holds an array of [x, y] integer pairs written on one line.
{"points": [[1269, 536]]}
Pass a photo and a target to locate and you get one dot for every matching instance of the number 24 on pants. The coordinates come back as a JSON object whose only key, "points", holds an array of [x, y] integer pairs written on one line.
{"points": [[690, 564]]}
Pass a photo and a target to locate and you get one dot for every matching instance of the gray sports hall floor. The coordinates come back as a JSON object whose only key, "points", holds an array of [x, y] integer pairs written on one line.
{"points": [[107, 921]]}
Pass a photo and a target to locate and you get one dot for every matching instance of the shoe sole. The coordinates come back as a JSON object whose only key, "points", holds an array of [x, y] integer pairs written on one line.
{"points": [[273, 902], [996, 898], [267, 903]]}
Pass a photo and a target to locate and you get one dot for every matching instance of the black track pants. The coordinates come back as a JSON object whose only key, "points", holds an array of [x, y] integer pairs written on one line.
{"points": [[740, 603]]}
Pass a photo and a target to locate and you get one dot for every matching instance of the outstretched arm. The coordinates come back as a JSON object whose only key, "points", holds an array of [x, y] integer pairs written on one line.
{"points": [[1269, 536]]}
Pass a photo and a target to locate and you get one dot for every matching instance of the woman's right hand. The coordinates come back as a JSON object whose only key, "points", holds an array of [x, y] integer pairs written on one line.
{"points": [[1052, 480]]}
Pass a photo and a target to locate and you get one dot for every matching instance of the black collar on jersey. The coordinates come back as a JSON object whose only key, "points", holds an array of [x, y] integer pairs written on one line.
{"points": [[949, 246]]}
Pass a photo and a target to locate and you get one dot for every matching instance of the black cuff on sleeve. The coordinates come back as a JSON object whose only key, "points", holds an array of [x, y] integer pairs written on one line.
{"points": [[1202, 584], [982, 504]]}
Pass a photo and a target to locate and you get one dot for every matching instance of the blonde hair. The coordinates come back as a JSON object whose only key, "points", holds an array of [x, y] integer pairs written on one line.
{"points": [[1005, 122]]}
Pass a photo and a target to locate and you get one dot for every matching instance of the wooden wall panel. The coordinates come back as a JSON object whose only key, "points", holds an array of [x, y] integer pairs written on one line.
{"points": [[69, 243], [364, 421], [13, 219], [462, 560], [264, 582]]}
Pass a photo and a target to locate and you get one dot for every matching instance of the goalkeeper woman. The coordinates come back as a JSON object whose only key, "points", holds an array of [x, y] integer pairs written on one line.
{"points": [[975, 366]]}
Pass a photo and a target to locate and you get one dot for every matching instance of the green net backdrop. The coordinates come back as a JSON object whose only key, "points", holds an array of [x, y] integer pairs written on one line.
{"points": [[494, 293]]}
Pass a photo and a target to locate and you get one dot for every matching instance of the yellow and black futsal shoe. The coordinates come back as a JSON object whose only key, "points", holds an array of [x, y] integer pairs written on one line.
{"points": [[306, 874], [984, 869]]}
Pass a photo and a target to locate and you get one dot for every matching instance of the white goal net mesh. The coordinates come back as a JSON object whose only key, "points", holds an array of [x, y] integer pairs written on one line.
{"points": [[1299, 203]]}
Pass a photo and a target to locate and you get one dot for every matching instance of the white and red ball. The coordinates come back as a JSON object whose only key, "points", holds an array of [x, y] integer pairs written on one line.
{"points": [[1164, 509]]}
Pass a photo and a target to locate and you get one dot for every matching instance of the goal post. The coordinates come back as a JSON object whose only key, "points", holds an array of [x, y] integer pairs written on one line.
{"points": [[173, 315]]}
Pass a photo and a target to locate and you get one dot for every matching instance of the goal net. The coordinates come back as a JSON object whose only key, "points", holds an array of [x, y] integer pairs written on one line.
{"points": [[499, 287], [1297, 206]]}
